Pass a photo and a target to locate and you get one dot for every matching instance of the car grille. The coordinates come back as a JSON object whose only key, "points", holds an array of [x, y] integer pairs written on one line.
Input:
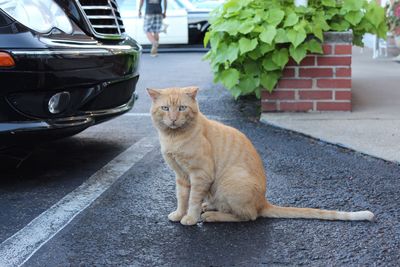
{"points": [[103, 17]]}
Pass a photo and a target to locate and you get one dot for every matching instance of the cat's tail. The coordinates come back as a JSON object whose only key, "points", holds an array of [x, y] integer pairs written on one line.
{"points": [[272, 211]]}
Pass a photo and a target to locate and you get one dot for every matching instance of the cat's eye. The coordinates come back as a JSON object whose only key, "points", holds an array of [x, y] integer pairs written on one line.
{"points": [[165, 108], [182, 108]]}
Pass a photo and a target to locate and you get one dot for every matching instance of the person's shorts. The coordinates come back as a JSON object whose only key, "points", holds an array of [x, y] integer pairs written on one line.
{"points": [[152, 23]]}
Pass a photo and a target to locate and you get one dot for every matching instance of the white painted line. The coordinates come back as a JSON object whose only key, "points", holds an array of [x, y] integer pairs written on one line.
{"points": [[17, 249]]}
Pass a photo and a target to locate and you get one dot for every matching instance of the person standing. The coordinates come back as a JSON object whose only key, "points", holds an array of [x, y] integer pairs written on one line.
{"points": [[153, 18]]}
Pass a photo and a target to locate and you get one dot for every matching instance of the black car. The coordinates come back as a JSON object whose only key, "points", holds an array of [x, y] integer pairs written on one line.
{"points": [[65, 65]]}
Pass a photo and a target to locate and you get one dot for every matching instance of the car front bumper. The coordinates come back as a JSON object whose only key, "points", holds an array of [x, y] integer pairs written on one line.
{"points": [[100, 79]]}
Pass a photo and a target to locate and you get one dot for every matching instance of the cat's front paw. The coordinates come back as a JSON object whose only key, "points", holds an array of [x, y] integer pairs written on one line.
{"points": [[175, 216], [189, 220]]}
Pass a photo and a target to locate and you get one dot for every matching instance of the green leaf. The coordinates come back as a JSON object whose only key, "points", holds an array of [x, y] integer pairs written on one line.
{"points": [[382, 30], [269, 65], [317, 31], [206, 39], [268, 35], [236, 92], [258, 92], [320, 20], [291, 20], [281, 36], [314, 46], [246, 45], [330, 13], [246, 27], [255, 54], [331, 3], [246, 14], [265, 48], [281, 57], [232, 52], [298, 53], [214, 41], [251, 67], [341, 26], [352, 5], [234, 6], [229, 78], [270, 79], [220, 55], [354, 17], [296, 37], [258, 29], [275, 16], [375, 14], [229, 26], [248, 84], [207, 56]]}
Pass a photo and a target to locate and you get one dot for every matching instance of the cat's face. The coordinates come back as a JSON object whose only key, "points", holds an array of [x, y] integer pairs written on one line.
{"points": [[174, 108]]}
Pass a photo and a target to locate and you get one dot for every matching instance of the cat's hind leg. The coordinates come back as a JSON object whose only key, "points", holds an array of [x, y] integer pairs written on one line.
{"points": [[239, 197], [207, 206], [217, 216]]}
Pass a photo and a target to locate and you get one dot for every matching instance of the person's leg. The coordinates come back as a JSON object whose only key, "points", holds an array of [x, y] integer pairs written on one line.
{"points": [[151, 37], [156, 37], [154, 44], [148, 27], [154, 47], [152, 33]]}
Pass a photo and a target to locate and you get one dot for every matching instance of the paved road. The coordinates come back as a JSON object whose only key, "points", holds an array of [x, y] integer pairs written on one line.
{"points": [[102, 197]]}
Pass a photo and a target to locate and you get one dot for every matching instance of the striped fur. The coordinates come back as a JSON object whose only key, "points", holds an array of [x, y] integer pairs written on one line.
{"points": [[219, 174]]}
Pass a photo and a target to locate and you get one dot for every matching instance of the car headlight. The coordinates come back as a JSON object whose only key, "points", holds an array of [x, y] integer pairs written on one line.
{"points": [[38, 15]]}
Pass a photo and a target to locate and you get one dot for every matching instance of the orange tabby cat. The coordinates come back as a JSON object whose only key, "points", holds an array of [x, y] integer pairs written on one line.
{"points": [[218, 170]]}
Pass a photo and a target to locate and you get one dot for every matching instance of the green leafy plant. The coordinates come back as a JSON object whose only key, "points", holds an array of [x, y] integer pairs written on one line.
{"points": [[252, 40]]}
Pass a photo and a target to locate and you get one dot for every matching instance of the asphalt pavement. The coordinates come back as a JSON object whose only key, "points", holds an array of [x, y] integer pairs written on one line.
{"points": [[102, 198]]}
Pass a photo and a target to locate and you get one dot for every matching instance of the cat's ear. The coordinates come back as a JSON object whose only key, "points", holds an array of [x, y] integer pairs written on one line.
{"points": [[153, 93], [192, 92]]}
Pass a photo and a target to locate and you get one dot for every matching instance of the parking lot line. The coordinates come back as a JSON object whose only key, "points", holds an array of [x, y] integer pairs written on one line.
{"points": [[17, 249]]}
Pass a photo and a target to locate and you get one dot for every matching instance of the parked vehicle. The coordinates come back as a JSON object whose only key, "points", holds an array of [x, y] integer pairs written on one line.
{"points": [[64, 66], [198, 14], [186, 22]]}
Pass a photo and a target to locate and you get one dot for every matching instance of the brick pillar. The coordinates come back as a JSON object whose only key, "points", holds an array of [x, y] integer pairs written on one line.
{"points": [[318, 83]]}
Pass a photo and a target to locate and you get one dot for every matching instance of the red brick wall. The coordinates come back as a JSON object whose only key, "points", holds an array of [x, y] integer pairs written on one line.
{"points": [[318, 83]]}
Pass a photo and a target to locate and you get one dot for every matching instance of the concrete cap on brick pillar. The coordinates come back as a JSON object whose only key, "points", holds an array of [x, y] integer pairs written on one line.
{"points": [[338, 37]]}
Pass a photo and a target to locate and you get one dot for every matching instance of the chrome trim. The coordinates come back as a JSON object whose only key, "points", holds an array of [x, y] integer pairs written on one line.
{"points": [[106, 26], [100, 17], [115, 17], [63, 41], [77, 49], [108, 112], [96, 7], [89, 117], [15, 127], [119, 27], [61, 52]]}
